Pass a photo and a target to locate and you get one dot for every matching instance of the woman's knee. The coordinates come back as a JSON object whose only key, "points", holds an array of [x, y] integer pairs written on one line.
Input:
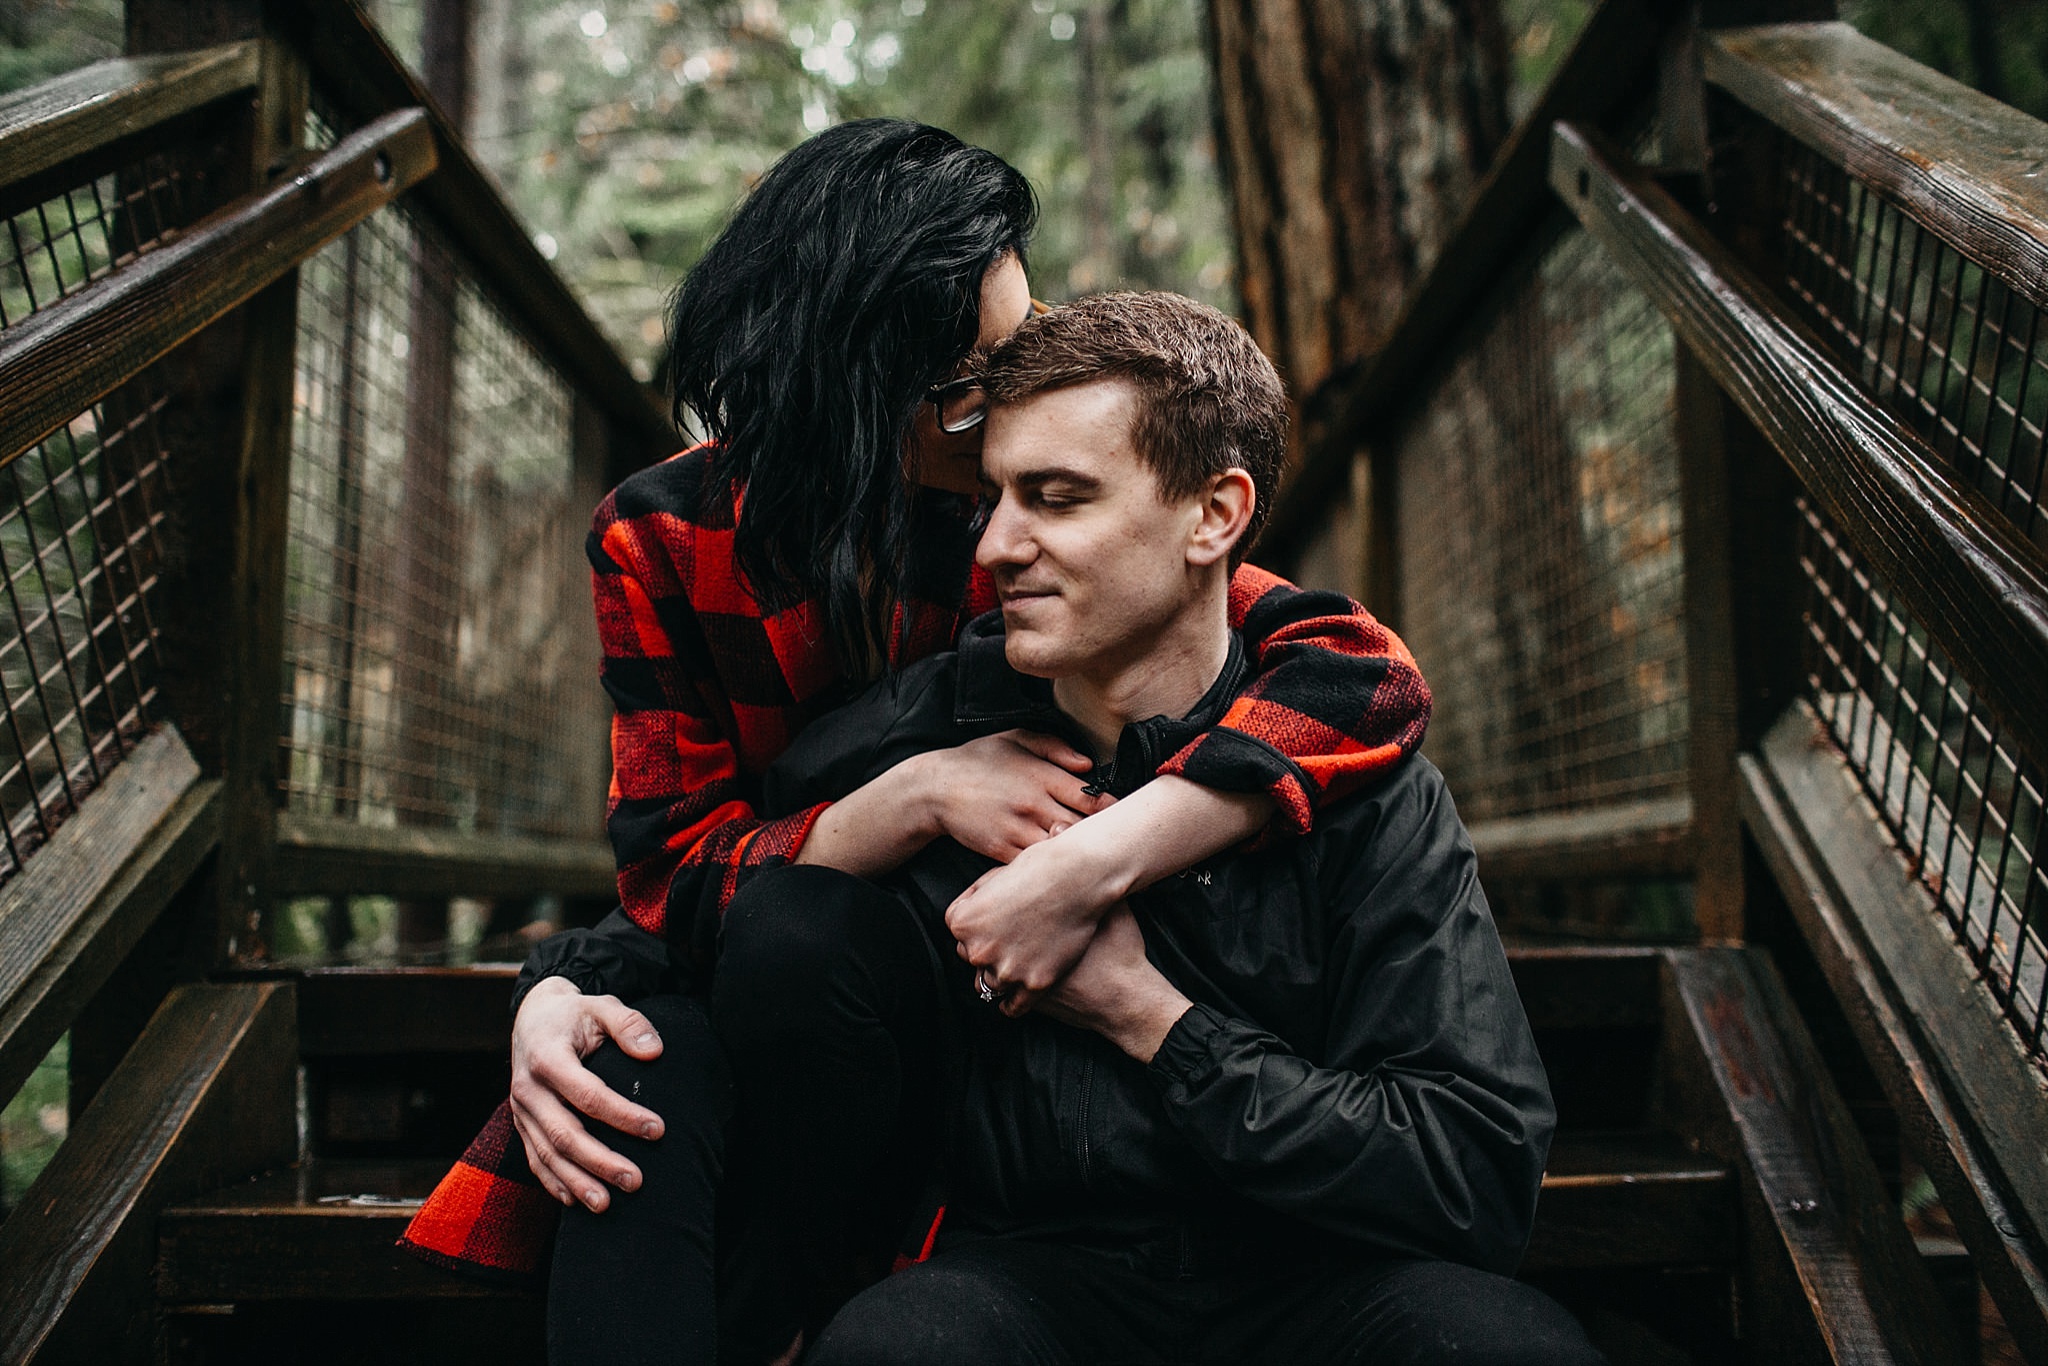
{"points": [[793, 935], [688, 1084]]}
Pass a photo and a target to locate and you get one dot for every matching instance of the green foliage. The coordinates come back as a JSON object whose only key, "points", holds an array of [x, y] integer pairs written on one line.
{"points": [[44, 38], [1998, 46], [624, 131], [34, 1123]]}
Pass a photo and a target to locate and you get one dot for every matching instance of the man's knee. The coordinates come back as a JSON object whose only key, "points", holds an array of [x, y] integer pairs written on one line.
{"points": [[936, 1315], [1444, 1314]]}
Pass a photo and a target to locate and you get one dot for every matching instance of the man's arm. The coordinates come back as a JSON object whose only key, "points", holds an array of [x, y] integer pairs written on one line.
{"points": [[1423, 1129]]}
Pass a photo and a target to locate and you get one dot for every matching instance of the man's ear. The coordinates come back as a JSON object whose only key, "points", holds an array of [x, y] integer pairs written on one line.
{"points": [[1226, 507]]}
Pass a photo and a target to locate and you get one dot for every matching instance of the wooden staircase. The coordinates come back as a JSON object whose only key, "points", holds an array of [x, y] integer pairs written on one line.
{"points": [[1674, 1217]]}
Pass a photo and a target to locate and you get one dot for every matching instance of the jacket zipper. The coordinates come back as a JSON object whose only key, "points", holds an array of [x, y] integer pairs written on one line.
{"points": [[1087, 1095]]}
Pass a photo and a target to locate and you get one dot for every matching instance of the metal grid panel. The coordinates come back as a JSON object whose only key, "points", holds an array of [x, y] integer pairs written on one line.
{"points": [[1962, 802], [1943, 344], [81, 514], [54, 247], [438, 671], [1541, 569], [80, 560]]}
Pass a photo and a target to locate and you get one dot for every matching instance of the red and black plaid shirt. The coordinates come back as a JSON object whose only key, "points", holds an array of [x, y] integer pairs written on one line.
{"points": [[708, 690]]}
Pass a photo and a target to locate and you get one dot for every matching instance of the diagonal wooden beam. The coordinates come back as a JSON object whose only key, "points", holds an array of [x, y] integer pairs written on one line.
{"points": [[70, 355]]}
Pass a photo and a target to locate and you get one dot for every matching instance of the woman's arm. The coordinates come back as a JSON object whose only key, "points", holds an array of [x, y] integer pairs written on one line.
{"points": [[1336, 702]]}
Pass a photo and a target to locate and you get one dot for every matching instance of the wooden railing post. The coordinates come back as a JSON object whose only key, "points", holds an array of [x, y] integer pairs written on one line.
{"points": [[1741, 615], [233, 410]]}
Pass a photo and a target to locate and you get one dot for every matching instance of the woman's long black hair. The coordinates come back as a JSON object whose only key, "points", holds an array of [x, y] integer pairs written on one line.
{"points": [[847, 283]]}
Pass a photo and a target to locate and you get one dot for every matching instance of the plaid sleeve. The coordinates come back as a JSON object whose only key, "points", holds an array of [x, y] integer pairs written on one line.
{"points": [[1337, 700], [682, 829]]}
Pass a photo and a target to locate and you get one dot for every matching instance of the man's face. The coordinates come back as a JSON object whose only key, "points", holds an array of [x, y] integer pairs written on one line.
{"points": [[1090, 561]]}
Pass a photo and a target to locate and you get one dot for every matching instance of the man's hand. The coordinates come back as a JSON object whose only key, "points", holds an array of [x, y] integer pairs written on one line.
{"points": [[556, 1028], [1115, 991], [1026, 923]]}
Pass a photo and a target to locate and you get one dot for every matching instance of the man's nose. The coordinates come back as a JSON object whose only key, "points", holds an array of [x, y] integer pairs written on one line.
{"points": [[1002, 540]]}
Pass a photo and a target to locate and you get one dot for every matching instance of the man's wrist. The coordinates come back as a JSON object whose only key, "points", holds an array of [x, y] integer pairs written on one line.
{"points": [[1142, 1030]]}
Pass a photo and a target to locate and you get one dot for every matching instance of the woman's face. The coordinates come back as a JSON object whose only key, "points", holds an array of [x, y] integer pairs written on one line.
{"points": [[952, 460]]}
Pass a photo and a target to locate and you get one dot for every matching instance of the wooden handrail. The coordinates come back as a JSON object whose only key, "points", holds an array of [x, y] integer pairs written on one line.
{"points": [[1627, 839], [83, 900], [1978, 589], [1973, 170], [352, 65], [81, 111], [324, 856], [57, 362], [1609, 67], [1932, 1034]]}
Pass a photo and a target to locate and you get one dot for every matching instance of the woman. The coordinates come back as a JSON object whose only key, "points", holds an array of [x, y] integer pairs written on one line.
{"points": [[822, 537]]}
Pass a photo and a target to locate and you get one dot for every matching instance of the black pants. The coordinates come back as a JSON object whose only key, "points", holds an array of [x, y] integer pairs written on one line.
{"points": [[1017, 1302], [805, 1150]]}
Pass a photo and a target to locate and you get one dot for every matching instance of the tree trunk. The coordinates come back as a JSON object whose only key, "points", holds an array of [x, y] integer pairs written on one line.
{"points": [[428, 583], [1352, 133]]}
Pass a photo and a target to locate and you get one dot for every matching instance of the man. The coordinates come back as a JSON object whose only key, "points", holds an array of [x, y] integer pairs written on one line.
{"points": [[1286, 1107]]}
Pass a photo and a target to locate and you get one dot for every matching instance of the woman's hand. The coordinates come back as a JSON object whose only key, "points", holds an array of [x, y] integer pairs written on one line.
{"points": [[1002, 794], [1024, 925], [997, 795], [1117, 992], [556, 1028]]}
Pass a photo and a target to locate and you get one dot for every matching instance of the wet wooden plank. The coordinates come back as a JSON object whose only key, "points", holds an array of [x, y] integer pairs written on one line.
{"points": [[1589, 986], [55, 363], [371, 1012], [323, 856], [1929, 1029], [322, 1230], [1971, 169], [83, 900], [1829, 1272], [1980, 590], [203, 1098], [81, 111], [1629, 839], [1632, 1199]]}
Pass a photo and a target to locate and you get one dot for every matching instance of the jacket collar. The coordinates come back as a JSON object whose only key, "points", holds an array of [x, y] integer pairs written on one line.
{"points": [[992, 694]]}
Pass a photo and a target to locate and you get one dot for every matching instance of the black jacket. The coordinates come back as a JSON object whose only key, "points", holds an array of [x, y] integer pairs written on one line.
{"points": [[1356, 1068]]}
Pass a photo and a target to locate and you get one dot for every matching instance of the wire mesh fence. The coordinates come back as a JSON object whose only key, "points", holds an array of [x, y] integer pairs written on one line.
{"points": [[437, 673], [1541, 570], [57, 243], [1959, 798], [82, 512], [1944, 344]]}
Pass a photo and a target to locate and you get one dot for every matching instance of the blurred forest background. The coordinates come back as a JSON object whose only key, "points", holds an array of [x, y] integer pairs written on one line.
{"points": [[625, 130]]}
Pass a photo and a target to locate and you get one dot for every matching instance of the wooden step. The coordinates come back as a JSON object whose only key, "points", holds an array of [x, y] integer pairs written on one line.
{"points": [[325, 1230], [322, 1230], [1632, 1199]]}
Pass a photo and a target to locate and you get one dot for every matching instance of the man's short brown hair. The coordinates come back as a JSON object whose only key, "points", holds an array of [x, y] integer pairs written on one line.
{"points": [[1207, 399]]}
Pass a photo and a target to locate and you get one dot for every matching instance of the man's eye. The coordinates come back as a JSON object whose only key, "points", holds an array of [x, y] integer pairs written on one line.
{"points": [[1053, 502]]}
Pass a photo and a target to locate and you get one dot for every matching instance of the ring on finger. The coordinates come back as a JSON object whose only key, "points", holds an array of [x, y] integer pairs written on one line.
{"points": [[984, 988]]}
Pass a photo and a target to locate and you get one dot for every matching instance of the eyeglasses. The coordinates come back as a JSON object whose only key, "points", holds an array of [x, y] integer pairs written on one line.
{"points": [[961, 404]]}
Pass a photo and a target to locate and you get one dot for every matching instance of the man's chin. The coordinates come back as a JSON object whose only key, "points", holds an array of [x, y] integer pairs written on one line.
{"points": [[1032, 655]]}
